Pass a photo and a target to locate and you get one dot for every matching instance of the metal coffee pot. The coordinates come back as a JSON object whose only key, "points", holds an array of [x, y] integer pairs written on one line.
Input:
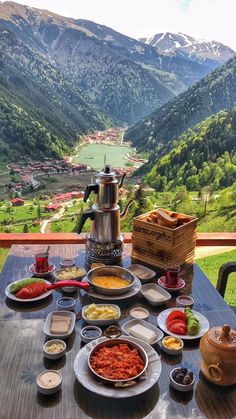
{"points": [[104, 242]]}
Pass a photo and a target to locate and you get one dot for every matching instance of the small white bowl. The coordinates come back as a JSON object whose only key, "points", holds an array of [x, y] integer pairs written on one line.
{"points": [[55, 355], [184, 301], [158, 333], [61, 303], [73, 277], [101, 322], [181, 387], [67, 262], [139, 313], [143, 273], [48, 321], [45, 384], [157, 288], [87, 339], [170, 351]]}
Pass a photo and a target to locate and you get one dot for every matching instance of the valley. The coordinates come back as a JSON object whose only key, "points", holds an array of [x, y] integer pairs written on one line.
{"points": [[75, 94]]}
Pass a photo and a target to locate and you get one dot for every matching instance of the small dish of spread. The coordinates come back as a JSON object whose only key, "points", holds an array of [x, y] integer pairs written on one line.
{"points": [[89, 333], [49, 382], [66, 303], [65, 263], [54, 349], [172, 345], [139, 313], [69, 272], [184, 301]]}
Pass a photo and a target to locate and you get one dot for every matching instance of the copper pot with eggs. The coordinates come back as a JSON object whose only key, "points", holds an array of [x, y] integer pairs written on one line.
{"points": [[218, 355]]}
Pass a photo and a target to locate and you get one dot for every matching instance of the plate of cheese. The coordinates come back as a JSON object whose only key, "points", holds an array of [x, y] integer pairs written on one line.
{"points": [[155, 295], [143, 330], [59, 324]]}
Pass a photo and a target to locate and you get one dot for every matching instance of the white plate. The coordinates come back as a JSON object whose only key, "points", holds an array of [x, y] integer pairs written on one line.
{"points": [[156, 287], [85, 377], [13, 297], [47, 324], [42, 274], [133, 291], [204, 324], [101, 322], [159, 334]]}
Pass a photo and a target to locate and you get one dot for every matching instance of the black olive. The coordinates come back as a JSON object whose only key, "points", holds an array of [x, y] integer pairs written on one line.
{"points": [[175, 372], [179, 378]]}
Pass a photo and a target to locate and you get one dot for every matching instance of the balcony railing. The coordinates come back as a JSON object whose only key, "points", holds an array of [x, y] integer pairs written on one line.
{"points": [[8, 239]]}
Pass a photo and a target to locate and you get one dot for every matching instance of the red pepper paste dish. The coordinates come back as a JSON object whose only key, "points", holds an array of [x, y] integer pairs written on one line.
{"points": [[118, 360]]}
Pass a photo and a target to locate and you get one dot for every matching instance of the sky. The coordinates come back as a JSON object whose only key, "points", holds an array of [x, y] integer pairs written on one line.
{"points": [[208, 19]]}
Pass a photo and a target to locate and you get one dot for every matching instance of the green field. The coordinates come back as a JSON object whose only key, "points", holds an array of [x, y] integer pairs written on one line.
{"points": [[211, 265], [93, 155]]}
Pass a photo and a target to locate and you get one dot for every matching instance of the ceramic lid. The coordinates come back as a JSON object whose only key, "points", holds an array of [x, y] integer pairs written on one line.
{"points": [[223, 337]]}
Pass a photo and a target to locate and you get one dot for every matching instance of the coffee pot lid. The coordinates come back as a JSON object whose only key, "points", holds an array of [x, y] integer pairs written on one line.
{"points": [[107, 172], [224, 336]]}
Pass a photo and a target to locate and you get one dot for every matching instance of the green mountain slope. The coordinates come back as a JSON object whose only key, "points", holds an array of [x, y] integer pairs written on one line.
{"points": [[32, 83], [202, 156], [215, 92], [21, 135]]}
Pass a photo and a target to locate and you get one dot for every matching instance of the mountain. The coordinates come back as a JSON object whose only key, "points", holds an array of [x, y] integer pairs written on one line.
{"points": [[21, 135], [124, 77], [176, 73], [30, 82], [202, 156], [211, 94], [212, 54]]}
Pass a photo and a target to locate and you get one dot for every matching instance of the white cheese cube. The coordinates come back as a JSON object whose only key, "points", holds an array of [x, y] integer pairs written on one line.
{"points": [[154, 295], [143, 333]]}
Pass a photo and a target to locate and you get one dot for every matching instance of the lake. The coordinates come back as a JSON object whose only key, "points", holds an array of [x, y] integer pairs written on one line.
{"points": [[93, 155]]}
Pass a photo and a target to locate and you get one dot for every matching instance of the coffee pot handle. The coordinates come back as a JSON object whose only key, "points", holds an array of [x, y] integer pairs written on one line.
{"points": [[87, 214], [122, 180], [93, 187]]}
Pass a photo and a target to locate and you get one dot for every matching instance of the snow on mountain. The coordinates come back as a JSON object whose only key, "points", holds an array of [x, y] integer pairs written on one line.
{"points": [[211, 53]]}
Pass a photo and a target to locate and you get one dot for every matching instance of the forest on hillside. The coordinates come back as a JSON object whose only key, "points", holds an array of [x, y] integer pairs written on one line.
{"points": [[21, 135], [201, 156]]}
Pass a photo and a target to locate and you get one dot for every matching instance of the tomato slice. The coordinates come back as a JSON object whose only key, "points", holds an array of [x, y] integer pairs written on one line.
{"points": [[176, 314], [169, 324], [178, 329]]}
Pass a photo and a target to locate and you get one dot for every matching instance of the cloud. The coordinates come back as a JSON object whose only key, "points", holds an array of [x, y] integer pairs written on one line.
{"points": [[184, 5]]}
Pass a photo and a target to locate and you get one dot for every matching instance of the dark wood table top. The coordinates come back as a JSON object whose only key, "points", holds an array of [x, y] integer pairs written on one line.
{"points": [[21, 356]]}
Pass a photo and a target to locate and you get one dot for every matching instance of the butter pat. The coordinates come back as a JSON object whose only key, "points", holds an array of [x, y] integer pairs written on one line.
{"points": [[143, 333], [154, 295]]}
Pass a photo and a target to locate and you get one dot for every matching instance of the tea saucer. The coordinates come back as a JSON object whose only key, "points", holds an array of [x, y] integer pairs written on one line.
{"points": [[180, 284], [41, 274]]}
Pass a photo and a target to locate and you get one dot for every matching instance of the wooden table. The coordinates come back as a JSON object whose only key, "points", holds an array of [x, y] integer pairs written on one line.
{"points": [[21, 356]]}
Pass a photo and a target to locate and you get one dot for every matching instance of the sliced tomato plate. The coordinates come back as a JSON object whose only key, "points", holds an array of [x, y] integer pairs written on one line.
{"points": [[162, 323], [13, 296]]}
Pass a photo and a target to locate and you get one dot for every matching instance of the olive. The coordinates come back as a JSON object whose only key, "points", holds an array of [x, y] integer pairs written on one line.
{"points": [[188, 378], [177, 371], [179, 378]]}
